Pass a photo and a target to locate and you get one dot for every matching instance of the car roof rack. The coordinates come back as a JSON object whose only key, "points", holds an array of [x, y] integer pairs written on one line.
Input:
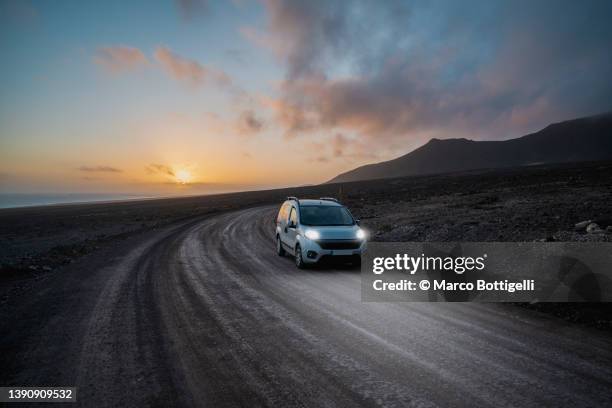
{"points": [[329, 199]]}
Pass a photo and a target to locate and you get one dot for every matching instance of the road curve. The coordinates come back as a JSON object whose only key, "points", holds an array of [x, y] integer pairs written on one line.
{"points": [[206, 314]]}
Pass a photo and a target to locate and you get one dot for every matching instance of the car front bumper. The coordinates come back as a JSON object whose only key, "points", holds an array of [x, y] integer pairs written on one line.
{"points": [[312, 251]]}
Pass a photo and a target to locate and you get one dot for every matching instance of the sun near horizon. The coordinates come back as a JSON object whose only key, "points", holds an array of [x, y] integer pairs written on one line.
{"points": [[183, 176]]}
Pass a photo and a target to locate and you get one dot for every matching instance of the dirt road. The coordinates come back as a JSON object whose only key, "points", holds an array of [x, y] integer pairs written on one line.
{"points": [[204, 313]]}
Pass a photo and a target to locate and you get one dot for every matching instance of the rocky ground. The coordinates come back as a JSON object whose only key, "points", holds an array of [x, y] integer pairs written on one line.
{"points": [[542, 203], [569, 203]]}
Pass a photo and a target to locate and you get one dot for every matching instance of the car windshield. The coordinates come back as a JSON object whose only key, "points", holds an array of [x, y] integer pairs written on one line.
{"points": [[325, 215]]}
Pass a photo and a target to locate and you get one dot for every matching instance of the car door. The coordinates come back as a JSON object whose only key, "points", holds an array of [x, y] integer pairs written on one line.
{"points": [[291, 228], [281, 222], [281, 218]]}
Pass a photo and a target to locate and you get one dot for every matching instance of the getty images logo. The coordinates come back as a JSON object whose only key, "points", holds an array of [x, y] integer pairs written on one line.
{"points": [[411, 264]]}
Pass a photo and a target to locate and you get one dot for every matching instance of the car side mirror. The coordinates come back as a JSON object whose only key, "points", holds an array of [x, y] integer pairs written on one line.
{"points": [[357, 221]]}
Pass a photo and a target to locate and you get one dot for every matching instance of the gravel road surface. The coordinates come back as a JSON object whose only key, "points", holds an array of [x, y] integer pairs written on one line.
{"points": [[204, 313]]}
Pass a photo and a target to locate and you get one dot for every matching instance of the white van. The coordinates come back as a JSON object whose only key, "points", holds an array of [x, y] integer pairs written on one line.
{"points": [[311, 230]]}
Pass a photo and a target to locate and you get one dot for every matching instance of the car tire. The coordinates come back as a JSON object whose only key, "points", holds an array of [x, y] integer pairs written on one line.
{"points": [[280, 251], [299, 260], [357, 262]]}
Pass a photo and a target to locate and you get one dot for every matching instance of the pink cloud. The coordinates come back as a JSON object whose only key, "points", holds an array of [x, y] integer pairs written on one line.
{"points": [[119, 59], [189, 71]]}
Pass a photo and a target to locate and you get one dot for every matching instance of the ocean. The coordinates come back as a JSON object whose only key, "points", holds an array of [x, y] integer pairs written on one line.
{"points": [[28, 200]]}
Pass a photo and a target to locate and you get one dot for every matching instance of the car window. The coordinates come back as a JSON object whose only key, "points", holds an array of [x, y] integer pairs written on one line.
{"points": [[325, 215], [293, 216], [282, 213]]}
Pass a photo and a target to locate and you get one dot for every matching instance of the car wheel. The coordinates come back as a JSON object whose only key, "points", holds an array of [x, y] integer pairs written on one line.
{"points": [[299, 261], [280, 251]]}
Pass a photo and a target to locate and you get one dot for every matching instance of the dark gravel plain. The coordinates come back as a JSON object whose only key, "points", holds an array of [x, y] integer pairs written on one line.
{"points": [[539, 203], [183, 302]]}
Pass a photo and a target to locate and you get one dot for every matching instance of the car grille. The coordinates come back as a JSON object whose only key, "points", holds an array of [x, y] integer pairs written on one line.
{"points": [[339, 243]]}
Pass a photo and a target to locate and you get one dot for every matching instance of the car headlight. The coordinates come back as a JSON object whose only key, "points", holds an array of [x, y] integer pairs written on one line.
{"points": [[312, 234], [361, 234]]}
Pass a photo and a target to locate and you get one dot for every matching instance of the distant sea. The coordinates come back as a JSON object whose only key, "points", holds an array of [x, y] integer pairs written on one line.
{"points": [[29, 200]]}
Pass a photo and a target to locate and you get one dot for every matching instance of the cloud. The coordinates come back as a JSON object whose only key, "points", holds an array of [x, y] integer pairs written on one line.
{"points": [[322, 159], [191, 9], [99, 169], [19, 12], [119, 59], [160, 169], [311, 36], [339, 147], [236, 55], [189, 71], [248, 123], [393, 71], [339, 144]]}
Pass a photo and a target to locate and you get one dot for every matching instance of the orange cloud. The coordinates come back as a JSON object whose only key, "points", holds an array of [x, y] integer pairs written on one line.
{"points": [[189, 71], [120, 59], [99, 169], [155, 168]]}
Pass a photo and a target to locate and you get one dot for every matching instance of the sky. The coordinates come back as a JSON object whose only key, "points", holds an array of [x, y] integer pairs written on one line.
{"points": [[194, 97]]}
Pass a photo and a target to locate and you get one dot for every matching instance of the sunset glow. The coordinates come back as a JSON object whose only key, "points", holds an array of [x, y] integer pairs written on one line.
{"points": [[183, 176], [251, 95]]}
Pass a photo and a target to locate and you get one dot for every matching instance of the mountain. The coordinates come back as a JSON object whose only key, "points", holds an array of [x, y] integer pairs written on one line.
{"points": [[584, 139]]}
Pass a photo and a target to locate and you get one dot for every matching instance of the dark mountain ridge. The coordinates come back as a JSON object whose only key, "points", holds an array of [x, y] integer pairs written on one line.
{"points": [[584, 139]]}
